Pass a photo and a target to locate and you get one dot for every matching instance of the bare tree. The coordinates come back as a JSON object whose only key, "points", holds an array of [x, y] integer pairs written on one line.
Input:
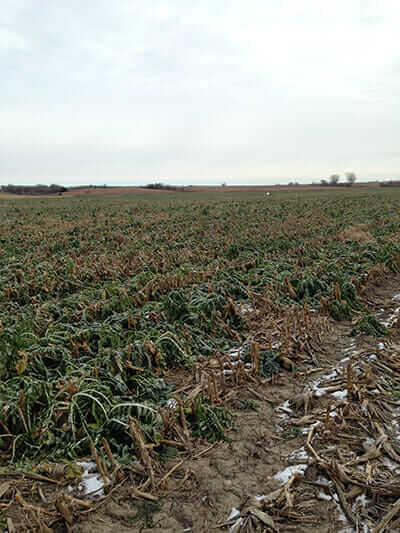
{"points": [[334, 179], [351, 178]]}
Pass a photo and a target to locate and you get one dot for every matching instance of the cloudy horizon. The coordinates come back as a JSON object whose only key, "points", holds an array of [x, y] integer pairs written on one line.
{"points": [[200, 92]]}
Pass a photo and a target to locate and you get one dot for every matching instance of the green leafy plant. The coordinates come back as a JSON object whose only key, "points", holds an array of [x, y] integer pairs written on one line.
{"points": [[291, 433], [210, 422], [369, 325]]}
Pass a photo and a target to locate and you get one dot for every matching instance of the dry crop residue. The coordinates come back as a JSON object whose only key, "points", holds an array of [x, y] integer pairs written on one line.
{"points": [[342, 472]]}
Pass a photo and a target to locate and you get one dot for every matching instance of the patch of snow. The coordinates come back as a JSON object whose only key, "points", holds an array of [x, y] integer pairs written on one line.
{"points": [[245, 308], [342, 516], [339, 394], [323, 496], [285, 407], [331, 375], [320, 391], [92, 482], [298, 454], [350, 348], [305, 430], [235, 525], [391, 465], [363, 500], [234, 513], [369, 441], [234, 353], [322, 480], [286, 474], [392, 318], [396, 427], [315, 385]]}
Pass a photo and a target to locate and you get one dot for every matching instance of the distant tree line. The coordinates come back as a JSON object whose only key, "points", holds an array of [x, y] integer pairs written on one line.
{"points": [[390, 183], [334, 179], [34, 190], [163, 187], [77, 187]]}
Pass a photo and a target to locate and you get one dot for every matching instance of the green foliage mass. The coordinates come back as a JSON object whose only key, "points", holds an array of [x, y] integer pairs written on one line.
{"points": [[369, 325]]}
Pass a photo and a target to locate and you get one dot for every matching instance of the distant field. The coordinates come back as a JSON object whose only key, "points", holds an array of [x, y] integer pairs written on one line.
{"points": [[86, 191], [118, 191], [109, 305]]}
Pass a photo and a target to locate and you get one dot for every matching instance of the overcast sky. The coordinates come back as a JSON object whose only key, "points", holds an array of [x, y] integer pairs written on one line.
{"points": [[198, 91]]}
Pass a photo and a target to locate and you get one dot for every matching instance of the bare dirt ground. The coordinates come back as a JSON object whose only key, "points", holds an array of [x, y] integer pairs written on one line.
{"points": [[318, 448]]}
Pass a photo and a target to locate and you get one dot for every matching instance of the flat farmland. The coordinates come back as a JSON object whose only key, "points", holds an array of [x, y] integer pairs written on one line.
{"points": [[186, 345]]}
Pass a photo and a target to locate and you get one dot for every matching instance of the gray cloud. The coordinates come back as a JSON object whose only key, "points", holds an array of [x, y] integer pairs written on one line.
{"points": [[251, 92]]}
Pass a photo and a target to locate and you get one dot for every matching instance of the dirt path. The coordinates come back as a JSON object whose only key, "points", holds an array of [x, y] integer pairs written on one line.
{"points": [[316, 449]]}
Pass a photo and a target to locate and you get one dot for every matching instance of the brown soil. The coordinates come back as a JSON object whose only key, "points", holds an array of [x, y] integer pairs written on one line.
{"points": [[351, 455]]}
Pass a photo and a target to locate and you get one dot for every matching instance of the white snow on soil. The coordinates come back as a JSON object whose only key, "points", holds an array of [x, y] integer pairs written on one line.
{"points": [[233, 514], [235, 525], [286, 474], [92, 481], [323, 496], [300, 454], [339, 394]]}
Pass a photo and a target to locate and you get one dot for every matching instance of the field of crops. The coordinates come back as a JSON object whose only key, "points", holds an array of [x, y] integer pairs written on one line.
{"points": [[120, 316]]}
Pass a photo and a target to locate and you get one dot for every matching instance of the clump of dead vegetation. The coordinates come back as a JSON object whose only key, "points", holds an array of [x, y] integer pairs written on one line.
{"points": [[359, 233]]}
